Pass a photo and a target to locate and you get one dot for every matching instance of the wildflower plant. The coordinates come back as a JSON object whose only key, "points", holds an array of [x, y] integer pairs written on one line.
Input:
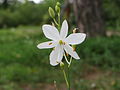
{"points": [[62, 45]]}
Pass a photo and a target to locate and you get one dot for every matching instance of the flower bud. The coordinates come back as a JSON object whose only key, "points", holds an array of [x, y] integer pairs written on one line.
{"points": [[61, 64], [58, 4], [51, 12], [57, 7]]}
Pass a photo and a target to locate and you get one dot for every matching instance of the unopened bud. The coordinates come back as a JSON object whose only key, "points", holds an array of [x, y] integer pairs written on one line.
{"points": [[57, 9], [51, 12], [58, 4], [61, 64]]}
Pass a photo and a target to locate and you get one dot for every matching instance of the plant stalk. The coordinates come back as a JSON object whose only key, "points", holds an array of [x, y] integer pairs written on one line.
{"points": [[67, 82]]}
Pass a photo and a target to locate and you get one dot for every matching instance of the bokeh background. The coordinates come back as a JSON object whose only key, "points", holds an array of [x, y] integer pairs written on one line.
{"points": [[24, 67]]}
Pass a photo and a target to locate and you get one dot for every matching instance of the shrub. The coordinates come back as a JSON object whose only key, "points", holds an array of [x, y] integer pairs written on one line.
{"points": [[24, 14], [102, 52]]}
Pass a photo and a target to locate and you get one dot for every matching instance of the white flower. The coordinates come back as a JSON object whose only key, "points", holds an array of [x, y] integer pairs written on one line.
{"points": [[60, 42]]}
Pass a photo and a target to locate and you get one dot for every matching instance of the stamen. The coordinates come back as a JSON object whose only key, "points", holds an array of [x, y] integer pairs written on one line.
{"points": [[75, 30], [50, 43], [67, 54], [74, 49], [64, 43]]}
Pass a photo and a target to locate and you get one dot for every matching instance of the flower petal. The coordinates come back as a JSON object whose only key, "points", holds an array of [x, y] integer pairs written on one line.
{"points": [[56, 55], [70, 51], [64, 29], [60, 54], [51, 32], [53, 58], [49, 44], [75, 38]]}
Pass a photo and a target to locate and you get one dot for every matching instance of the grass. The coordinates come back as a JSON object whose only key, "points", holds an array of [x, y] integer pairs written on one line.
{"points": [[23, 66]]}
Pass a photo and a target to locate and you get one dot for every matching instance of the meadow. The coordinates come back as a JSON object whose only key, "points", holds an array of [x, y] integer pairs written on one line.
{"points": [[24, 67]]}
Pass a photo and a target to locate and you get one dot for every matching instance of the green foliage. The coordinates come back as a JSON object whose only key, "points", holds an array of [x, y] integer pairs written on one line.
{"points": [[22, 62], [24, 14], [102, 52], [111, 13], [28, 13]]}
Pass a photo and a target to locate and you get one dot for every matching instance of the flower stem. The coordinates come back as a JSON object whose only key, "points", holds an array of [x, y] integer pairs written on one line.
{"points": [[67, 82], [58, 20], [70, 62], [69, 71], [69, 77], [55, 22]]}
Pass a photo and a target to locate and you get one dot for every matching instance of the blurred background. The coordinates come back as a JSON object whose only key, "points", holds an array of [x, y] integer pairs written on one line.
{"points": [[24, 67]]}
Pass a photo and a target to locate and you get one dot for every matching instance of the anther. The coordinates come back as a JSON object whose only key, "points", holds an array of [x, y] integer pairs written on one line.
{"points": [[64, 43], [50, 43], [73, 49]]}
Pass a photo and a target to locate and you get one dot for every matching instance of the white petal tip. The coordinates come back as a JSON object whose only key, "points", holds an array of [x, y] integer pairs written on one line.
{"points": [[53, 64], [85, 35], [38, 46], [43, 26], [77, 58], [65, 20]]}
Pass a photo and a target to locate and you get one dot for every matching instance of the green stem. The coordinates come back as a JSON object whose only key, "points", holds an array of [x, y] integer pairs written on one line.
{"points": [[69, 70], [65, 76], [68, 80], [55, 22], [59, 20], [69, 77], [70, 62]]}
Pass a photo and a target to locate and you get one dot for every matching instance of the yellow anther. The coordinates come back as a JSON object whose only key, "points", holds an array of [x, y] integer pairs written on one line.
{"points": [[64, 43], [74, 30], [50, 43], [67, 54], [74, 49]]}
